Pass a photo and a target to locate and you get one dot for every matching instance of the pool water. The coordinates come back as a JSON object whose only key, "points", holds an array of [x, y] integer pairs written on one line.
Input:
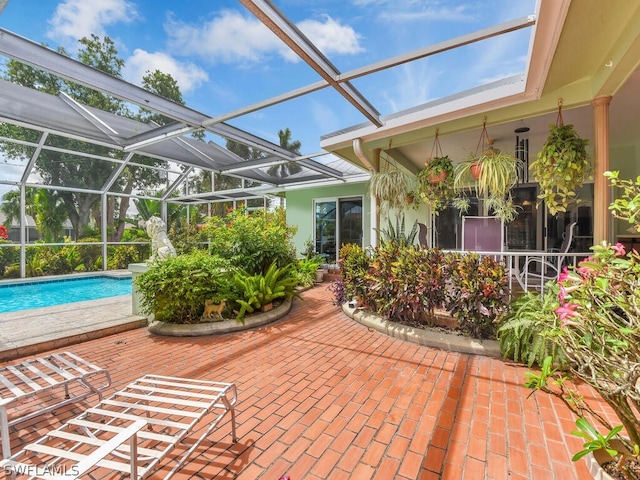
{"points": [[47, 293]]}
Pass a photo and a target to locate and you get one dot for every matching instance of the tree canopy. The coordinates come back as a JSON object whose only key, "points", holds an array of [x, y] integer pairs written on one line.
{"points": [[60, 168]]}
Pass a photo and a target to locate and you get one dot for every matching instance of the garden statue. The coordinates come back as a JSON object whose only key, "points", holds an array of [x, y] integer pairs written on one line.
{"points": [[213, 309], [161, 247]]}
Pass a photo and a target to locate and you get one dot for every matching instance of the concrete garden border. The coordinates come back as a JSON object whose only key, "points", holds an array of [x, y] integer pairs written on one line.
{"points": [[429, 338], [225, 326]]}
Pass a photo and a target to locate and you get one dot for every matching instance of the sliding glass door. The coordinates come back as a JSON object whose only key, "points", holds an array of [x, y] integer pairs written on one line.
{"points": [[337, 222]]}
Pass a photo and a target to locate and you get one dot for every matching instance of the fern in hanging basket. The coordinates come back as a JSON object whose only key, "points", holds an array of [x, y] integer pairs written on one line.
{"points": [[435, 183], [561, 167]]}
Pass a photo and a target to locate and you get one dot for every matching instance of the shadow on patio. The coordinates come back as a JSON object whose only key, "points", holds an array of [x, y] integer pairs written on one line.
{"points": [[323, 397]]}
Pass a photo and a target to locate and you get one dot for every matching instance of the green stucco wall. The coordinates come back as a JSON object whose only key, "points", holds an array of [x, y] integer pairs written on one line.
{"points": [[300, 209]]}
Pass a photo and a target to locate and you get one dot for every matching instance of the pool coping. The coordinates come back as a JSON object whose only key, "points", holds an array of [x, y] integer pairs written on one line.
{"points": [[115, 274], [29, 332]]}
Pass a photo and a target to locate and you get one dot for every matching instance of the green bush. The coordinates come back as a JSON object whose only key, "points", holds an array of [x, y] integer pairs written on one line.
{"points": [[90, 255], [8, 256], [305, 271], [354, 263], [122, 255], [174, 290], [252, 241]]}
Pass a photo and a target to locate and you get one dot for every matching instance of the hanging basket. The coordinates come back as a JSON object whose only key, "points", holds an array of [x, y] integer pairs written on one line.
{"points": [[438, 177], [435, 180], [476, 170]]}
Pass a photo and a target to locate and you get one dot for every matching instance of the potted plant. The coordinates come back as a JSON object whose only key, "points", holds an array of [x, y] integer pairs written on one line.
{"points": [[435, 183], [497, 173], [561, 167], [598, 331], [390, 187]]}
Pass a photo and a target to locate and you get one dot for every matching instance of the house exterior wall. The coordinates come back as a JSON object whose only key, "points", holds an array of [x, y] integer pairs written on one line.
{"points": [[300, 209]]}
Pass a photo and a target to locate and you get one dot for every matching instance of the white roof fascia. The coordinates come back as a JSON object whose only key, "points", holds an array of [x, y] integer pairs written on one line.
{"points": [[545, 36], [479, 100]]}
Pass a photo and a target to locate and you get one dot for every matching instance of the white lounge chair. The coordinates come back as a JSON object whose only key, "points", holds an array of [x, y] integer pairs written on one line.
{"points": [[65, 376], [131, 432]]}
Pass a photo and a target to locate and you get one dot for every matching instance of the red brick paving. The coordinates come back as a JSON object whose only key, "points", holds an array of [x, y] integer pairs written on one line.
{"points": [[323, 397]]}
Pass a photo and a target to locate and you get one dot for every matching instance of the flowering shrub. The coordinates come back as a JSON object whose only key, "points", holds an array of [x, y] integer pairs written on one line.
{"points": [[3, 233], [598, 318], [252, 241], [599, 332]]}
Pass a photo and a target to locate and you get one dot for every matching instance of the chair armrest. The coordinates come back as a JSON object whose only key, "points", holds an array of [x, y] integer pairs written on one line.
{"points": [[542, 263]]}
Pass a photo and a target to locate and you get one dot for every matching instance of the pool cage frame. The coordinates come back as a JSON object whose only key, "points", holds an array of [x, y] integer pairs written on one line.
{"points": [[62, 116]]}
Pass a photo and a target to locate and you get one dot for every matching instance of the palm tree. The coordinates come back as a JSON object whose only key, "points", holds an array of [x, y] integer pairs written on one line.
{"points": [[49, 214], [290, 168]]}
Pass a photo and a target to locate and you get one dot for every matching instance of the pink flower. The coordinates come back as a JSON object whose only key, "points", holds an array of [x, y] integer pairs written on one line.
{"points": [[563, 292], [584, 269], [567, 311], [564, 275], [619, 248]]}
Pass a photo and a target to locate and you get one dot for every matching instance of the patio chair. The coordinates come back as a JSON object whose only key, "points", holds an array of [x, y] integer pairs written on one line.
{"points": [[34, 387], [131, 432], [539, 270]]}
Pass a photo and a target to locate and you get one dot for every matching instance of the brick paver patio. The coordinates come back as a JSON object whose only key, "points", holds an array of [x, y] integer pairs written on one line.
{"points": [[323, 397]]}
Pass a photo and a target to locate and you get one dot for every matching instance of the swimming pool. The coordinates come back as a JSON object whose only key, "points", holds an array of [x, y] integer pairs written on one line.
{"points": [[46, 293]]}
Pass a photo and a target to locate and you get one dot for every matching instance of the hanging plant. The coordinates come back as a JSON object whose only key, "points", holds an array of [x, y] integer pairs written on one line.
{"points": [[461, 203], [561, 167], [435, 180], [391, 187], [492, 173]]}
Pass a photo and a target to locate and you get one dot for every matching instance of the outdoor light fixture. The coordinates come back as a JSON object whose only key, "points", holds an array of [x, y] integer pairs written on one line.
{"points": [[522, 153]]}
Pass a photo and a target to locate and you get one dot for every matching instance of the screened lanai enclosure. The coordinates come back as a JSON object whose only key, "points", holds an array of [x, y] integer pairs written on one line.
{"points": [[85, 156]]}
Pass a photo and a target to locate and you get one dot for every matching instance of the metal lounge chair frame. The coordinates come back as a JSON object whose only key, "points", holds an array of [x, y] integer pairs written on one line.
{"points": [[131, 432], [59, 371]]}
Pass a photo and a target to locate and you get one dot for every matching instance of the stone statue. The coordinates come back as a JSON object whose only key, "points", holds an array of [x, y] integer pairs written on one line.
{"points": [[161, 247]]}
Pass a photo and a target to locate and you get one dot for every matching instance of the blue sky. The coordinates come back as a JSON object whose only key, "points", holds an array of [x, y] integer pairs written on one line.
{"points": [[223, 58]]}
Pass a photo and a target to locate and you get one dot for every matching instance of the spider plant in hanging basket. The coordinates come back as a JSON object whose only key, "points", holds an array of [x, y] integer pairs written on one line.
{"points": [[561, 167], [391, 188], [498, 173], [435, 183]]}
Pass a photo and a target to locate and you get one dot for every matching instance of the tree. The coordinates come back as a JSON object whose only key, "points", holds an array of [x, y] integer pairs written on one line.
{"points": [[290, 168], [81, 171], [49, 217], [65, 169]]}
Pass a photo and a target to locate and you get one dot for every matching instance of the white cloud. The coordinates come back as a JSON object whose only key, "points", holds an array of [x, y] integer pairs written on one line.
{"points": [[231, 37], [74, 19], [188, 75], [227, 38], [331, 37]]}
